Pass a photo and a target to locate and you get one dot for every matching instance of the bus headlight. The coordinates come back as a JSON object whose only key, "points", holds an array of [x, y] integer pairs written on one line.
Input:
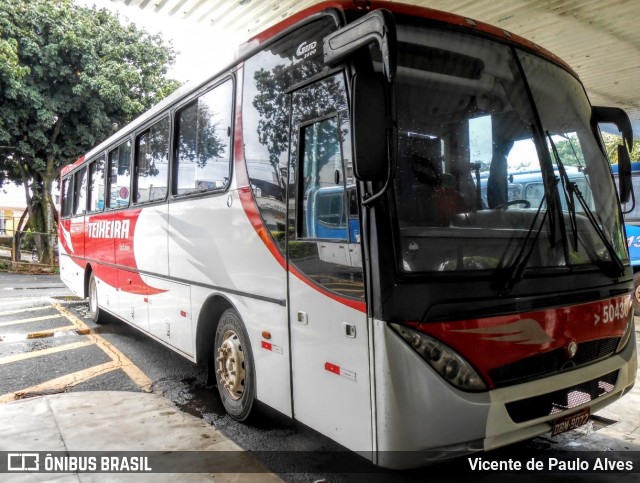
{"points": [[446, 362]]}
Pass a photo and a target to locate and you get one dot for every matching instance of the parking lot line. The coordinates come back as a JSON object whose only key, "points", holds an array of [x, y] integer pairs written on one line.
{"points": [[25, 321], [59, 384], [129, 368], [20, 311], [43, 352]]}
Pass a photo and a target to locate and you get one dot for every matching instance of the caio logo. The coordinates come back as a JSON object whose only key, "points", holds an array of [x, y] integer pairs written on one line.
{"points": [[305, 49]]}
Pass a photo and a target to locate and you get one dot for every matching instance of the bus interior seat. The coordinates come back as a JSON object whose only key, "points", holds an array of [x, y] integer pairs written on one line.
{"points": [[427, 195]]}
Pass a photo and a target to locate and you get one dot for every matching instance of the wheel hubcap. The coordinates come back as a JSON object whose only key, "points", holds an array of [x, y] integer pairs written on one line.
{"points": [[231, 365]]}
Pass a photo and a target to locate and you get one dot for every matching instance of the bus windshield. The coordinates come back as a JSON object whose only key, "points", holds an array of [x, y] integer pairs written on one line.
{"points": [[498, 160]]}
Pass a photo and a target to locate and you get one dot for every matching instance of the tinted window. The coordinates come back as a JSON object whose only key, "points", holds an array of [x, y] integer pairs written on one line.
{"points": [[268, 79], [80, 192], [152, 157], [96, 185], [119, 175], [203, 152], [323, 201], [67, 196]]}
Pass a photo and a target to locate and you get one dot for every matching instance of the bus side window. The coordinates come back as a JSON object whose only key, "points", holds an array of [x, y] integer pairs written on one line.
{"points": [[119, 175], [96, 185], [322, 208], [203, 151], [67, 196], [80, 192], [151, 163]]}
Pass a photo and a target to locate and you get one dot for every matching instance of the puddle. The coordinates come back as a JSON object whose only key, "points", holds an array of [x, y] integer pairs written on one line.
{"points": [[194, 398]]}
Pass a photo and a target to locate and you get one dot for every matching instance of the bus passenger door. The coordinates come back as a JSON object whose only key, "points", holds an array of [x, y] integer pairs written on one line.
{"points": [[327, 316]]}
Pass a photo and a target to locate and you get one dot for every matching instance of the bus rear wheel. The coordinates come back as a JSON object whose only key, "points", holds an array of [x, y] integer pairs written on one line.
{"points": [[94, 307], [235, 375]]}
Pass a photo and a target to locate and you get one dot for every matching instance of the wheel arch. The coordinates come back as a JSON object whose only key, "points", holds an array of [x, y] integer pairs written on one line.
{"points": [[208, 320], [88, 270]]}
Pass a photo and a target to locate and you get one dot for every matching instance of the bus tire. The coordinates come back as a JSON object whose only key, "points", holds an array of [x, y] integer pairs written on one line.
{"points": [[636, 293], [94, 308], [235, 374]]}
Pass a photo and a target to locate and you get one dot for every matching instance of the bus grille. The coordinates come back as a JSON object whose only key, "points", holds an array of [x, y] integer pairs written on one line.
{"points": [[554, 402], [552, 362]]}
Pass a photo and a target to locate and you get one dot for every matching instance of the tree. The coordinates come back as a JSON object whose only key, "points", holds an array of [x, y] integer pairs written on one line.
{"points": [[67, 75], [611, 142]]}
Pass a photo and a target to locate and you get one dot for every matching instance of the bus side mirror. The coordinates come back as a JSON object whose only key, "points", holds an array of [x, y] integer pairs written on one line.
{"points": [[618, 117], [613, 115], [369, 129], [378, 27], [624, 173]]}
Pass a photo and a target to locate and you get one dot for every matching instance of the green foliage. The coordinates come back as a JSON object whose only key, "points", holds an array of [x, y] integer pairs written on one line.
{"points": [[67, 74], [611, 141]]}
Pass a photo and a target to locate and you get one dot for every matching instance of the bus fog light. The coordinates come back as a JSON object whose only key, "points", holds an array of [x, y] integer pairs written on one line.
{"points": [[446, 362]]}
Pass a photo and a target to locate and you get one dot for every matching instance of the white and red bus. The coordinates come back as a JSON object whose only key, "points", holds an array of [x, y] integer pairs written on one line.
{"points": [[329, 226]]}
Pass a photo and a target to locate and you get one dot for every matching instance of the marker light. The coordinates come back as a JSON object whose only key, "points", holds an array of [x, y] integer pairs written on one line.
{"points": [[446, 362]]}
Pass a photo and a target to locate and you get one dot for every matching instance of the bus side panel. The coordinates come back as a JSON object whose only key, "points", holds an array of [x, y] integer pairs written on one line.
{"points": [[170, 313], [330, 366], [213, 245], [270, 356], [151, 250], [131, 288], [70, 266], [100, 238]]}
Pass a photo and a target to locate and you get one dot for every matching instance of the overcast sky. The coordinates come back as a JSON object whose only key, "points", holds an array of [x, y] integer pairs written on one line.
{"points": [[200, 52]]}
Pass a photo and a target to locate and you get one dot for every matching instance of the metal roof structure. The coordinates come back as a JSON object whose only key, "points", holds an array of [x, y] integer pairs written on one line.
{"points": [[599, 39]]}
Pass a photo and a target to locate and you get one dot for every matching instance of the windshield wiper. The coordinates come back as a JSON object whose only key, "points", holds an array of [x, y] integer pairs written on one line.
{"points": [[571, 188], [507, 277]]}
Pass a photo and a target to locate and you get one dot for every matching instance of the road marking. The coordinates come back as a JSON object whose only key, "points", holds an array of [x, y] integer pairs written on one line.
{"points": [[43, 352], [61, 383], [20, 311], [124, 363], [32, 319]]}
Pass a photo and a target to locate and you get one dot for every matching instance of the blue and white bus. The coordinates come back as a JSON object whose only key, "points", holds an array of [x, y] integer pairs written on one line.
{"points": [[631, 212]]}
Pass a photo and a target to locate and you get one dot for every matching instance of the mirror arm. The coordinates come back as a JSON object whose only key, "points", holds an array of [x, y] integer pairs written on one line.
{"points": [[377, 26]]}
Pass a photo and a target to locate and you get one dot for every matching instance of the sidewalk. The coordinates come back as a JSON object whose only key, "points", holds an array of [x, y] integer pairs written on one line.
{"points": [[121, 422]]}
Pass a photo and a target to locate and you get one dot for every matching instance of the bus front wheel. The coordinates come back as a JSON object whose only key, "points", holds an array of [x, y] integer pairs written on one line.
{"points": [[235, 375]]}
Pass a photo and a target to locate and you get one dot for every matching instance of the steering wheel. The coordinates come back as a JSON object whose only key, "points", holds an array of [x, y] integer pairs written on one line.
{"points": [[525, 203]]}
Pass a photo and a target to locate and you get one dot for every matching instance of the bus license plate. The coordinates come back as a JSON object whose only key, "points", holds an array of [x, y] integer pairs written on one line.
{"points": [[570, 421]]}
